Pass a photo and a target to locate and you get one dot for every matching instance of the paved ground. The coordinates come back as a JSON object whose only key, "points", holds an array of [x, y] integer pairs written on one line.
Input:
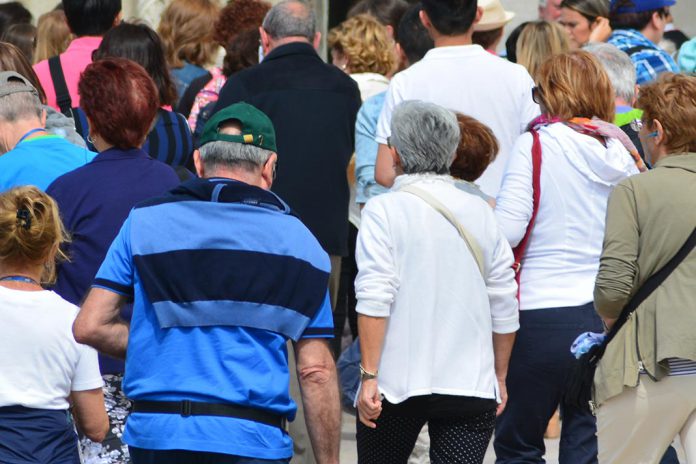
{"points": [[349, 454]]}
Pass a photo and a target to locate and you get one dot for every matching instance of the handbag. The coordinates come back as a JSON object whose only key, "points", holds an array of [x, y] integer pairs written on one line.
{"points": [[521, 248], [578, 391]]}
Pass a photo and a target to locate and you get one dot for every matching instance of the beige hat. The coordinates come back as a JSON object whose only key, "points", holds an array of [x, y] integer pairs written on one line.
{"points": [[494, 16]]}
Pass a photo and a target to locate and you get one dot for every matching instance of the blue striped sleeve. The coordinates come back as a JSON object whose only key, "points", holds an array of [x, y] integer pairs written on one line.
{"points": [[116, 272], [321, 325]]}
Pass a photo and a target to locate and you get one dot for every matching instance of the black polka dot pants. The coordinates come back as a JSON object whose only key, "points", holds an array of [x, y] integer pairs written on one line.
{"points": [[453, 440]]}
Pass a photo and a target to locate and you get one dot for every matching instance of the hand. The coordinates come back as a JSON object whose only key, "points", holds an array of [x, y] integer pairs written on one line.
{"points": [[369, 403], [601, 30], [503, 397]]}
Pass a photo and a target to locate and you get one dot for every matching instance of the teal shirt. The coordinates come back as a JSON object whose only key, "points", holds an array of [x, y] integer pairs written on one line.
{"points": [[39, 161]]}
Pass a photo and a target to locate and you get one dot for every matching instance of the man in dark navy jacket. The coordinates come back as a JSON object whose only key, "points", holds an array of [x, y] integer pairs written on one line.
{"points": [[313, 107]]}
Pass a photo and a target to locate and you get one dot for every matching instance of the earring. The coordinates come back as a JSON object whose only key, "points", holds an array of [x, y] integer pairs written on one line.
{"points": [[89, 139]]}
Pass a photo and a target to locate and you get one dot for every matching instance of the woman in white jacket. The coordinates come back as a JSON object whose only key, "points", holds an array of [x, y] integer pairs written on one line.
{"points": [[436, 320], [583, 158]]}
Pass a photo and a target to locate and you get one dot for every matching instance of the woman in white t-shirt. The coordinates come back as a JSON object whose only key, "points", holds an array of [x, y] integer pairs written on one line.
{"points": [[44, 370]]}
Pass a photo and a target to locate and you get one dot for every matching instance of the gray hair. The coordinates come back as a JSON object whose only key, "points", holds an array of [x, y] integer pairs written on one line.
{"points": [[619, 68], [290, 18], [425, 136], [231, 155], [20, 105]]}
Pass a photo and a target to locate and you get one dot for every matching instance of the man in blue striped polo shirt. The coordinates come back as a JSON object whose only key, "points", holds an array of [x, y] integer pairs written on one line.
{"points": [[222, 274]]}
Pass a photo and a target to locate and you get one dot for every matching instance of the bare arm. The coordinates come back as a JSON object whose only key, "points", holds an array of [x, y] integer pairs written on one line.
{"points": [[385, 172], [502, 349], [90, 413], [98, 323], [316, 372], [372, 330]]}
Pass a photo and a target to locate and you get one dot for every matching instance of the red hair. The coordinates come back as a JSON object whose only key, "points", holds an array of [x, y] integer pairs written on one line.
{"points": [[120, 99]]}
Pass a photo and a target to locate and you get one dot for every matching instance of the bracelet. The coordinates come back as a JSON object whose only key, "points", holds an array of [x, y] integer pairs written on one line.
{"points": [[366, 375]]}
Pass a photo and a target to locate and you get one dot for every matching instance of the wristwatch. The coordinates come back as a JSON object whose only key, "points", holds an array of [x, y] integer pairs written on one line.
{"points": [[366, 375]]}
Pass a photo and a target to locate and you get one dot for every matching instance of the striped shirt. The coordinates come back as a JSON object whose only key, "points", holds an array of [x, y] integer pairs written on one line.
{"points": [[222, 277]]}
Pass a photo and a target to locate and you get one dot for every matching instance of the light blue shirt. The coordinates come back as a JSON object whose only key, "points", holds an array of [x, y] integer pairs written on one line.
{"points": [[366, 149], [39, 161]]}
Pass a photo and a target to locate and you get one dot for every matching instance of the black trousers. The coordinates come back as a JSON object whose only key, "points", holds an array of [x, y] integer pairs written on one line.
{"points": [[460, 429]]}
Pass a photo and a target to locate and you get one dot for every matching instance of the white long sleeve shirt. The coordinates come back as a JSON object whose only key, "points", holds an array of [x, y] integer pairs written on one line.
{"points": [[415, 270], [577, 175]]}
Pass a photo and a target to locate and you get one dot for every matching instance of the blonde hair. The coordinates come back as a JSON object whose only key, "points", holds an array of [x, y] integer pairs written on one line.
{"points": [[186, 30], [539, 40], [366, 44], [52, 35], [574, 84], [672, 101], [30, 229]]}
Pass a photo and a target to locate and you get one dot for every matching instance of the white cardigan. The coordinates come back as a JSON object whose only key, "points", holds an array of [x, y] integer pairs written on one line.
{"points": [[416, 270], [577, 175]]}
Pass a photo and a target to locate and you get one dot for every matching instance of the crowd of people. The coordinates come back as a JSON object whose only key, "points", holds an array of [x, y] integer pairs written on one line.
{"points": [[198, 219]]}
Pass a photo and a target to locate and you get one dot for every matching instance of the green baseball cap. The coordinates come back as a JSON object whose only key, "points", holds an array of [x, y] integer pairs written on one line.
{"points": [[257, 128]]}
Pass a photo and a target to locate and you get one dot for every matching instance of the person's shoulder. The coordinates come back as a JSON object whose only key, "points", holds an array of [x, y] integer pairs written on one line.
{"points": [[62, 307]]}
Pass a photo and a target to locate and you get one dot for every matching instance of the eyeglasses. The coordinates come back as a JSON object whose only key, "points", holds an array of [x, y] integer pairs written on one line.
{"points": [[536, 94], [637, 125]]}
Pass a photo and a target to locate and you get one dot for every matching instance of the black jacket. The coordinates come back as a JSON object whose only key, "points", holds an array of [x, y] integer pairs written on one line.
{"points": [[313, 107]]}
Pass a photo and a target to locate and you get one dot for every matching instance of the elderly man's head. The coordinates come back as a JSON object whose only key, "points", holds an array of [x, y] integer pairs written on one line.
{"points": [[619, 68], [20, 109], [238, 143], [424, 137], [289, 21]]}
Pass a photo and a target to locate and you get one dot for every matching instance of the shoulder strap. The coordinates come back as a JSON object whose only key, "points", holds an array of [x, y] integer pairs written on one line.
{"points": [[63, 98], [470, 241], [649, 286], [636, 49], [521, 247]]}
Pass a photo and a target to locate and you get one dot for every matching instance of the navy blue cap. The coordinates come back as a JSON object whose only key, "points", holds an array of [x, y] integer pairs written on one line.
{"points": [[638, 6]]}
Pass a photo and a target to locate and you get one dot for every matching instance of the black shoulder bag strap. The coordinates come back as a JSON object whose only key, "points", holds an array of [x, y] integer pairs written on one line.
{"points": [[63, 98], [579, 388]]}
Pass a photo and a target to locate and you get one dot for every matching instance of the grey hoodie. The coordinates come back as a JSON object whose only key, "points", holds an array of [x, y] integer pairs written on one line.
{"points": [[63, 126]]}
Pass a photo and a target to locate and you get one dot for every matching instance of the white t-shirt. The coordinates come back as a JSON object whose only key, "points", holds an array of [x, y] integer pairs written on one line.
{"points": [[472, 81], [416, 270], [40, 361]]}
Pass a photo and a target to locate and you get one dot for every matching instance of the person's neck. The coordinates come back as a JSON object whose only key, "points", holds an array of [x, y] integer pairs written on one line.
{"points": [[287, 40], [652, 34], [33, 272], [452, 40], [19, 129], [241, 175]]}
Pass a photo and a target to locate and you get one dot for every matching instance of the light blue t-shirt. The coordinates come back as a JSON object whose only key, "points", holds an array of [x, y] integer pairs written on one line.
{"points": [[219, 288], [39, 161]]}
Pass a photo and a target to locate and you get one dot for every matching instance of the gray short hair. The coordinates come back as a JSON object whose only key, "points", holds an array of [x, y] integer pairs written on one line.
{"points": [[619, 68], [290, 18], [20, 105], [233, 155], [425, 136]]}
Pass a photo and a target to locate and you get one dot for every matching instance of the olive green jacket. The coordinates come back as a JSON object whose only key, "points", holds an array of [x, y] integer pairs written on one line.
{"points": [[649, 217]]}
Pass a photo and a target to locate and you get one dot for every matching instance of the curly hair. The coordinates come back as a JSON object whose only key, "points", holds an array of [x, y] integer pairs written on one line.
{"points": [[186, 34], [671, 99], [238, 16], [365, 43], [477, 148]]}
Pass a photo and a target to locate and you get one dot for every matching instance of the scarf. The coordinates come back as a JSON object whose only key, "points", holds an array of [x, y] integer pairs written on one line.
{"points": [[594, 127]]}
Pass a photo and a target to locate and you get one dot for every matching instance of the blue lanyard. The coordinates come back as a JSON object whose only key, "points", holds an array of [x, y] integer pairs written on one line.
{"points": [[17, 278], [33, 131]]}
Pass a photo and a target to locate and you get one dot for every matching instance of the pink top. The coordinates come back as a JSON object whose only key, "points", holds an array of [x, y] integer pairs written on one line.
{"points": [[74, 60]]}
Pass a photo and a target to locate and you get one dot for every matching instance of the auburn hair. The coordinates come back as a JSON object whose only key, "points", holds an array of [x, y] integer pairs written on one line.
{"points": [[478, 147]]}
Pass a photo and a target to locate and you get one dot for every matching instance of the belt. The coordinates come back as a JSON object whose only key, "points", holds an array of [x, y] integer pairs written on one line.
{"points": [[187, 408]]}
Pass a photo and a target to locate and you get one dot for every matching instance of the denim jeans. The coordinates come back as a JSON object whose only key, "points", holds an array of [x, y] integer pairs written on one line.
{"points": [[539, 368]]}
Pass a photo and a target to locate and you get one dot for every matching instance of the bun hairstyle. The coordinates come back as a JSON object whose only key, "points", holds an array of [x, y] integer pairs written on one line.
{"points": [[30, 230]]}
